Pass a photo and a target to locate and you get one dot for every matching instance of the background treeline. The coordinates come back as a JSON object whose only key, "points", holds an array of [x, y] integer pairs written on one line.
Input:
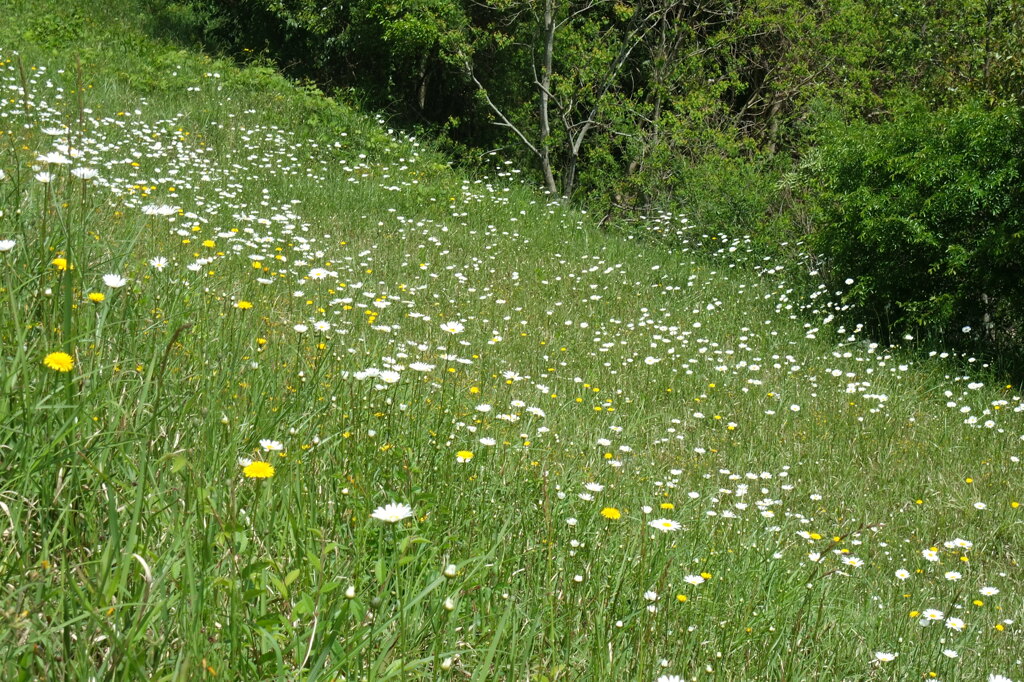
{"points": [[885, 136]]}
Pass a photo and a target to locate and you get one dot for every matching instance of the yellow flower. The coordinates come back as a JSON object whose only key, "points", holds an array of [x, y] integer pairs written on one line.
{"points": [[667, 505], [463, 455], [681, 597], [259, 470], [59, 361], [209, 243], [611, 513], [97, 297], [60, 263], [243, 305]]}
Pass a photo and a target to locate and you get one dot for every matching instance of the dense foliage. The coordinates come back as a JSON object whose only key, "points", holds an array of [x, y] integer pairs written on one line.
{"points": [[926, 213]]}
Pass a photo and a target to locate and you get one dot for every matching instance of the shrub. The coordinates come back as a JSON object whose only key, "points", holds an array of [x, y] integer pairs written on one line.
{"points": [[926, 213]]}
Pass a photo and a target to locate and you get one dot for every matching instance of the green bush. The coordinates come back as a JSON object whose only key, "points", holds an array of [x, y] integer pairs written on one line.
{"points": [[925, 213]]}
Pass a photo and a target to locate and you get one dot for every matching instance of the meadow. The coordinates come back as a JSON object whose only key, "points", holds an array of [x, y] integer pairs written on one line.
{"points": [[286, 397]]}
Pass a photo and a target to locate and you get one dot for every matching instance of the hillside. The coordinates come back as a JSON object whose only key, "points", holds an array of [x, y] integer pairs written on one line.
{"points": [[242, 320]]}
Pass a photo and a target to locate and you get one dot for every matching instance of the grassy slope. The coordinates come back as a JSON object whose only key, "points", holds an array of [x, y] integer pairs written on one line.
{"points": [[691, 383]]}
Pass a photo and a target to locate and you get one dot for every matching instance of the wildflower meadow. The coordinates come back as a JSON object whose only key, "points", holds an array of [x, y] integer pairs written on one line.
{"points": [[285, 397]]}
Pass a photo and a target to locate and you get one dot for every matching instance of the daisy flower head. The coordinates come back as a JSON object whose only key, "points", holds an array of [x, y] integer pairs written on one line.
{"points": [[258, 469], [271, 445], [159, 262], [956, 624], [903, 574], [55, 158], [665, 525], [883, 657], [59, 361], [6, 245], [392, 512], [670, 678], [114, 281], [453, 327]]}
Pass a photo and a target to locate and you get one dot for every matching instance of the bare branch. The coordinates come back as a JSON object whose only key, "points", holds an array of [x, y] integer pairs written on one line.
{"points": [[498, 112]]}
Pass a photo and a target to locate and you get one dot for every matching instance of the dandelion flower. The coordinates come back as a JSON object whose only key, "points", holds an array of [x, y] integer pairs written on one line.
{"points": [[259, 469], [243, 305], [59, 361], [463, 456], [97, 297], [611, 513], [392, 512], [60, 263]]}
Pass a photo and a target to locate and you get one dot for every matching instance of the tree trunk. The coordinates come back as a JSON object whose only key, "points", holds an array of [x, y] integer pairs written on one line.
{"points": [[545, 95]]}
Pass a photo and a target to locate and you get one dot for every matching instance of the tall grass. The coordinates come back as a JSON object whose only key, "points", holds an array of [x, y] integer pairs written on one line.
{"points": [[621, 461]]}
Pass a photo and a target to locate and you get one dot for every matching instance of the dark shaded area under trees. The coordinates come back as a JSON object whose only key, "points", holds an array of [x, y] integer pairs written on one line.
{"points": [[883, 136]]}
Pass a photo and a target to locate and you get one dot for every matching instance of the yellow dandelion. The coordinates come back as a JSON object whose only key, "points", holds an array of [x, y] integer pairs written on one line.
{"points": [[611, 513], [97, 297], [259, 470], [59, 361], [243, 305], [463, 456], [667, 505], [60, 263], [209, 243], [681, 597]]}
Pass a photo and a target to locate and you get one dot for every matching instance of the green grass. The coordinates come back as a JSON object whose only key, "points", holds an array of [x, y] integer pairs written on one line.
{"points": [[693, 383]]}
